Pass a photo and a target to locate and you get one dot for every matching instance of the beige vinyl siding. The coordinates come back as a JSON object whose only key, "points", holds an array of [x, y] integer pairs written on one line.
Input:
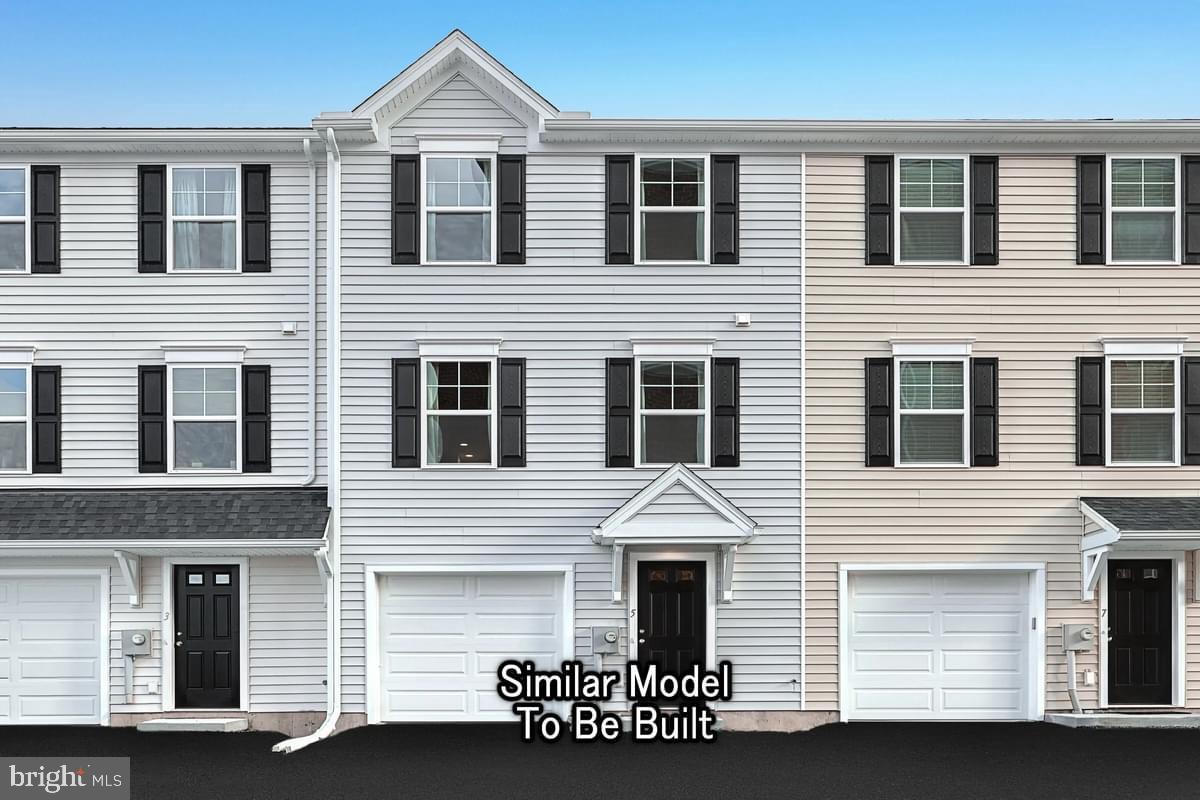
{"points": [[99, 319], [565, 312], [1036, 311]]}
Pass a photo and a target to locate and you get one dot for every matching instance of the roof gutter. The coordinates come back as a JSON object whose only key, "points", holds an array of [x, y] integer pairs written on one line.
{"points": [[330, 559], [8, 546]]}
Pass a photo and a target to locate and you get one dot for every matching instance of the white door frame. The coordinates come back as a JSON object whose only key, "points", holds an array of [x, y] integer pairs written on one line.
{"points": [[1178, 561], [168, 628], [710, 596], [373, 572], [104, 601], [1036, 685]]}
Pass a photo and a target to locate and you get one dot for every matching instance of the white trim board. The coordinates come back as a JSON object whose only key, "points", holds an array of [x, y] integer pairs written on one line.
{"points": [[372, 573], [168, 627], [1037, 633]]}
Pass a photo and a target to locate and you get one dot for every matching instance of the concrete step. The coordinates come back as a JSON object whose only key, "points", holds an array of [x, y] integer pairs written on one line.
{"points": [[1116, 719], [196, 725]]}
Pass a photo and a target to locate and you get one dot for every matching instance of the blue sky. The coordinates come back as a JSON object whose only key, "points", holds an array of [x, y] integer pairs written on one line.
{"points": [[263, 63]]}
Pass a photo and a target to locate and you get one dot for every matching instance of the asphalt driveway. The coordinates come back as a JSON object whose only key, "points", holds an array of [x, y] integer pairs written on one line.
{"points": [[860, 761]]}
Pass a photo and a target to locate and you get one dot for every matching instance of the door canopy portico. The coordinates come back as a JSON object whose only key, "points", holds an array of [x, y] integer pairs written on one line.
{"points": [[677, 509], [1116, 525]]}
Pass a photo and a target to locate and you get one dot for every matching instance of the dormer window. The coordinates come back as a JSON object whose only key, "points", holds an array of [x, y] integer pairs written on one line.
{"points": [[459, 209]]}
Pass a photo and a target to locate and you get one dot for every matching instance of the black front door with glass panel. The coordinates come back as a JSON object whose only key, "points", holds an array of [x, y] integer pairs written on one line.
{"points": [[672, 622], [1140, 651], [207, 636]]}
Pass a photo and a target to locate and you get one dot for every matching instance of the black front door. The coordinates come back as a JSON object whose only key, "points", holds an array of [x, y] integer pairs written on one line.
{"points": [[207, 636], [1139, 632], [672, 623]]}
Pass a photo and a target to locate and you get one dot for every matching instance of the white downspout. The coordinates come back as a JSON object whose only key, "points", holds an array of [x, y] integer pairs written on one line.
{"points": [[333, 581]]}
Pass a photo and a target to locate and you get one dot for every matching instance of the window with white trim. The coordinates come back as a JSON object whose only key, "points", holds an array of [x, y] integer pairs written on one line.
{"points": [[459, 412], [459, 209], [15, 399], [1143, 210], [932, 225], [1143, 410], [204, 218], [672, 412], [931, 428], [672, 209], [205, 433], [14, 219]]}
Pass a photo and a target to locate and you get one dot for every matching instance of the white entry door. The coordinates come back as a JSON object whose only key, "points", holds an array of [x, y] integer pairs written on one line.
{"points": [[938, 645], [442, 638], [51, 650]]}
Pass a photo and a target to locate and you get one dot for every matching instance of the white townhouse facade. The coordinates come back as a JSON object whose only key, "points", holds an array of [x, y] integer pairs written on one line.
{"points": [[340, 417]]}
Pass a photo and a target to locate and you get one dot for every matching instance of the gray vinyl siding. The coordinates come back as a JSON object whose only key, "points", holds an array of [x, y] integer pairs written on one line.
{"points": [[565, 312], [459, 106], [1036, 311], [100, 319]]}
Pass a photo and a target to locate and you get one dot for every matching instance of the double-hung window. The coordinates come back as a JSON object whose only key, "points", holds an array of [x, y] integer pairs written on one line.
{"points": [[1143, 225], [204, 218], [673, 410], [205, 433], [459, 209], [14, 219], [458, 414], [932, 425], [672, 209], [1143, 411], [932, 225], [15, 443]]}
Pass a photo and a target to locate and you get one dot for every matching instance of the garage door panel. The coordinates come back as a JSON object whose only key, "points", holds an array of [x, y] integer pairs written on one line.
{"points": [[439, 652], [55, 593], [966, 658], [56, 631], [59, 668]]}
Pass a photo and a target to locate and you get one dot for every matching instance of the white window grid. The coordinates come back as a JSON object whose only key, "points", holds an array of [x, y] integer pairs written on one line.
{"points": [[22, 218], [704, 411], [703, 208], [426, 208], [491, 412], [235, 418], [960, 210], [1108, 207], [1109, 410], [27, 419], [235, 218], [966, 403]]}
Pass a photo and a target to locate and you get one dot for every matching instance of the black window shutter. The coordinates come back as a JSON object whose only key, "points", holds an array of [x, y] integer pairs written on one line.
{"points": [[256, 418], [511, 221], [256, 218], [726, 422], [1089, 210], [985, 412], [406, 412], [618, 429], [44, 216], [1191, 210], [152, 219], [512, 412], [1089, 411], [1190, 447], [406, 209], [618, 208], [726, 171], [879, 209], [878, 391], [47, 419], [985, 210], [152, 419]]}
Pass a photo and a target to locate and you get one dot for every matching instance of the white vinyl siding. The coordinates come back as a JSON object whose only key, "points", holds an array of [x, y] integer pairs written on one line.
{"points": [[1036, 311], [99, 319], [565, 312]]}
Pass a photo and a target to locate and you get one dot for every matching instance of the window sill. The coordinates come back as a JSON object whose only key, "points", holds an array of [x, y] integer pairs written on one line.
{"points": [[461, 264], [666, 466], [201, 471], [677, 264], [1141, 264], [932, 466], [932, 264], [1142, 464]]}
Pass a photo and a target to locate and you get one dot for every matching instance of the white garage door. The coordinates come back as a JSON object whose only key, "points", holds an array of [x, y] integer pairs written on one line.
{"points": [[443, 636], [51, 642], [951, 645]]}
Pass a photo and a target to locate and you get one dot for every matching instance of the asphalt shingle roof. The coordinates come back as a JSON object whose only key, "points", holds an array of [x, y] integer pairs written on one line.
{"points": [[163, 514], [1148, 513]]}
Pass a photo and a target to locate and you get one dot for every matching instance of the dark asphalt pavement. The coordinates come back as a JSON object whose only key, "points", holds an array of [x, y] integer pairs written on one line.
{"points": [[860, 761]]}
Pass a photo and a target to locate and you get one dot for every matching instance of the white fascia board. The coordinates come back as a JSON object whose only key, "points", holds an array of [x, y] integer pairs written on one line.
{"points": [[1143, 345], [932, 347], [459, 348], [190, 353], [17, 355], [157, 140]]}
